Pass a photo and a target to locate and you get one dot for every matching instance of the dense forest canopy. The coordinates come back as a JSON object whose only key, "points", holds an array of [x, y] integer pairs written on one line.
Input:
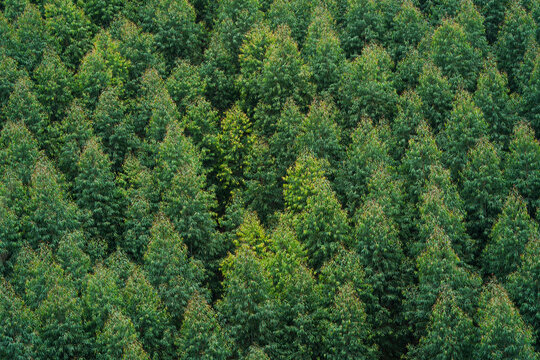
{"points": [[269, 179]]}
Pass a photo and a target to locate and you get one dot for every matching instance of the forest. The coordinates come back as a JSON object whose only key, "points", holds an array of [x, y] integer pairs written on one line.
{"points": [[269, 179]]}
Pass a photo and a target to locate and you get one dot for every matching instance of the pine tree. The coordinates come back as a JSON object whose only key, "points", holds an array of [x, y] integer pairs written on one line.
{"points": [[438, 267], [450, 334], [244, 307], [170, 270], [53, 85], [201, 336], [522, 286], [464, 128], [503, 334], [323, 51], [319, 132], [143, 305], [61, 331], [522, 165], [493, 98], [511, 233], [348, 337], [483, 190], [512, 41], [96, 192], [437, 96], [18, 326], [366, 87], [381, 255], [71, 30], [51, 214]]}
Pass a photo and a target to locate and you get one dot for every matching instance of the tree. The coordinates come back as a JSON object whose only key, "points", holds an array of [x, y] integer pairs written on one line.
{"points": [[366, 87], [503, 334], [472, 23], [412, 28], [185, 85], [296, 15], [319, 132], [492, 96], [9, 74], [367, 151], [116, 335], [323, 51], [464, 128], [201, 336], [531, 94], [18, 326], [10, 235], [483, 190], [348, 337], [96, 193], [409, 115], [436, 94], [53, 85], [382, 258], [438, 10], [170, 270], [61, 331], [71, 30], [143, 305], [72, 257], [513, 40], [24, 108], [51, 214], [438, 267], [450, 335], [18, 151], [509, 236], [244, 307], [493, 12], [522, 288], [522, 165]]}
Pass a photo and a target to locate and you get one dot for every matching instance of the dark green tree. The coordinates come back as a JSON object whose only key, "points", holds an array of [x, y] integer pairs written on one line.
{"points": [[511, 233], [409, 115], [97, 194], [503, 334], [295, 14], [522, 165], [9, 74], [116, 335], [410, 31], [531, 95], [185, 85], [18, 151], [201, 335], [472, 22], [169, 269], [72, 257], [483, 190], [493, 12], [102, 12]]}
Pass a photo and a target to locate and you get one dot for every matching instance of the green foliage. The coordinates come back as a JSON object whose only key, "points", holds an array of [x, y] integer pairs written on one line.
{"points": [[170, 270], [472, 23], [464, 128], [522, 165], [483, 189], [9, 74], [503, 334], [201, 336], [118, 333], [97, 194], [511, 233], [411, 30], [450, 335], [185, 85], [366, 87], [18, 151], [531, 96], [72, 257], [296, 15], [71, 30]]}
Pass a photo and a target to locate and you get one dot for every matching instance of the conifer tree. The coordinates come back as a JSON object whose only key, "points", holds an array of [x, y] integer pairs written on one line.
{"points": [[503, 334], [18, 326], [366, 87], [409, 115], [201, 335], [512, 41], [450, 334], [295, 14], [102, 13], [10, 236], [483, 189], [256, 353], [169, 269], [9, 74], [61, 331], [323, 51], [464, 128], [522, 288], [408, 70], [51, 214], [439, 267], [472, 23], [53, 85], [493, 12], [348, 337], [531, 94], [413, 26], [522, 165], [143, 305], [381, 255], [18, 151], [436, 94], [493, 98], [72, 257], [96, 193], [70, 28], [185, 85], [116, 335], [511, 233]]}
